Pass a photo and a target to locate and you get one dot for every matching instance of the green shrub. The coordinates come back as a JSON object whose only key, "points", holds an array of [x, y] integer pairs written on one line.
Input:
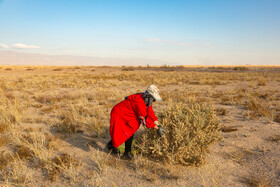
{"points": [[190, 130]]}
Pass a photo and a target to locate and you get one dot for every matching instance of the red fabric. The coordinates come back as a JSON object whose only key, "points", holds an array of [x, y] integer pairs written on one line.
{"points": [[125, 119]]}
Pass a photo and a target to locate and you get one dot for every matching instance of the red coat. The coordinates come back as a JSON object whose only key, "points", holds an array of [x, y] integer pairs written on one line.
{"points": [[125, 118]]}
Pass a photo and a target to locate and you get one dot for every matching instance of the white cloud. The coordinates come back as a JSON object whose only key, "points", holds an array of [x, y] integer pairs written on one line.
{"points": [[4, 46], [169, 42], [24, 46]]}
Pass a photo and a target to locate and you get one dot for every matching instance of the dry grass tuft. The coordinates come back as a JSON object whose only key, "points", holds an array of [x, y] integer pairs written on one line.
{"points": [[228, 129], [79, 118], [275, 138], [191, 128], [257, 180], [14, 171], [62, 163], [58, 69], [261, 82], [3, 140], [240, 156], [277, 118], [24, 152], [221, 111], [259, 107]]}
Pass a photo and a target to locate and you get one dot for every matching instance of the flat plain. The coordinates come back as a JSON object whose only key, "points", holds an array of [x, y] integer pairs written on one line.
{"points": [[55, 120]]}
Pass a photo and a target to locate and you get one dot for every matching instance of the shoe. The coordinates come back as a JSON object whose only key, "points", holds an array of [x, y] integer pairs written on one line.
{"points": [[112, 149], [127, 156]]}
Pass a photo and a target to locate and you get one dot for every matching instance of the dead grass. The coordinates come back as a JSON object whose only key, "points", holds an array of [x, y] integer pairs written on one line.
{"points": [[261, 82], [221, 111], [65, 165], [3, 140], [257, 180], [240, 156], [228, 128], [275, 138], [260, 107], [57, 69], [277, 118]]}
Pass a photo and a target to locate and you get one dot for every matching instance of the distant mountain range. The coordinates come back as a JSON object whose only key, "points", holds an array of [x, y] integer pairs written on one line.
{"points": [[20, 58]]}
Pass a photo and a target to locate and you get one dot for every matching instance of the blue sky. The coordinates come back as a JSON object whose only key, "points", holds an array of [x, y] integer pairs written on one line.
{"points": [[205, 32]]}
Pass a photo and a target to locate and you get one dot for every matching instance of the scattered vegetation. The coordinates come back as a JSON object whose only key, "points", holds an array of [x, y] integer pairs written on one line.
{"points": [[47, 112], [259, 107]]}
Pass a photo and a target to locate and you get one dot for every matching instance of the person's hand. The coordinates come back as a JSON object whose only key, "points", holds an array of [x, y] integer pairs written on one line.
{"points": [[161, 130]]}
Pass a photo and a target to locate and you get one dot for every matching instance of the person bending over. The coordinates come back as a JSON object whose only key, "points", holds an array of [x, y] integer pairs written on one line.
{"points": [[128, 115]]}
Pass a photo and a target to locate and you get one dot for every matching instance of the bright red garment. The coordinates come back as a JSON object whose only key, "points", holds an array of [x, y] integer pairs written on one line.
{"points": [[125, 118]]}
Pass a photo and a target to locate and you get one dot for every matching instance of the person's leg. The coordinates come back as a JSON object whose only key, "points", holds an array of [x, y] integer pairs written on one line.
{"points": [[128, 144], [127, 151], [111, 148]]}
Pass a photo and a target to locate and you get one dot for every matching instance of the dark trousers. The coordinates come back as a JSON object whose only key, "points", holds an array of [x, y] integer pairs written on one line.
{"points": [[128, 144]]}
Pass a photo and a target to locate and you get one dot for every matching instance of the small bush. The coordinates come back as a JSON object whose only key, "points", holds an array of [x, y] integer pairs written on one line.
{"points": [[128, 69], [190, 130], [261, 82], [57, 69], [240, 68], [259, 107]]}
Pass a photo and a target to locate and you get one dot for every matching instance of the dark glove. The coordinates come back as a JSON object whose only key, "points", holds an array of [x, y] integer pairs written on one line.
{"points": [[161, 131]]}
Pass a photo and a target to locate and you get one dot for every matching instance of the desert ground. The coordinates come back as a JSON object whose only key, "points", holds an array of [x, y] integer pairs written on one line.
{"points": [[55, 125]]}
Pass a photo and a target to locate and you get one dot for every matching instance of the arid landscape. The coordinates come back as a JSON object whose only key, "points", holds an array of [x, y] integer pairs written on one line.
{"points": [[54, 126]]}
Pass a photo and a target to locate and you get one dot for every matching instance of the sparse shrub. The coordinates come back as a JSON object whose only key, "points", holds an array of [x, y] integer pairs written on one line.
{"points": [[8, 69], [240, 68], [57, 69], [190, 129], [260, 107], [128, 69], [261, 82]]}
